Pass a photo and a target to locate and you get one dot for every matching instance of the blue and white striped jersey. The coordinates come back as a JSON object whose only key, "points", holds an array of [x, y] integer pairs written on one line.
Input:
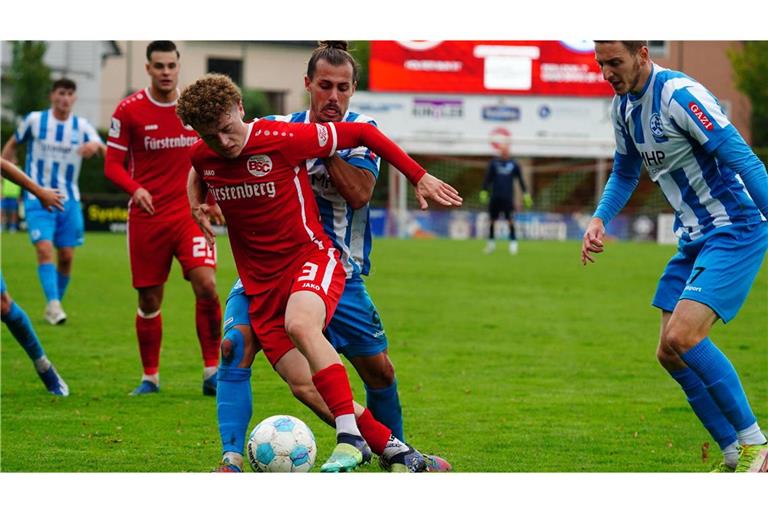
{"points": [[52, 150], [349, 229], [677, 129]]}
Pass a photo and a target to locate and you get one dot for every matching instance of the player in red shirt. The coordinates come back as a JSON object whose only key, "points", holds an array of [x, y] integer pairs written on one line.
{"points": [[148, 157], [289, 268]]}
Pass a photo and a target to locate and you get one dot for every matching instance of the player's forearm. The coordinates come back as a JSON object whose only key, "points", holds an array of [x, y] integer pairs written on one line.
{"points": [[736, 154], [196, 189], [618, 190], [16, 175], [353, 183], [9, 150], [351, 135], [115, 171]]}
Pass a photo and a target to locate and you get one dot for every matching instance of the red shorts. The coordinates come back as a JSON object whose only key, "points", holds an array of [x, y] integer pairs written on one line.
{"points": [[321, 273], [152, 246]]}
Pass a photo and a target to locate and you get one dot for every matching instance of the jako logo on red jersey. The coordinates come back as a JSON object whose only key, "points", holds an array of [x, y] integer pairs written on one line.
{"points": [[322, 135], [701, 116], [259, 165]]}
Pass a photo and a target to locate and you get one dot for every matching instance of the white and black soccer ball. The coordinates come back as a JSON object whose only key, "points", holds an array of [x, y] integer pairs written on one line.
{"points": [[281, 444]]}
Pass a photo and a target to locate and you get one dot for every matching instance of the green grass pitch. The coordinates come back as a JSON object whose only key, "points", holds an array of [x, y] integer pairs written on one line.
{"points": [[528, 363]]}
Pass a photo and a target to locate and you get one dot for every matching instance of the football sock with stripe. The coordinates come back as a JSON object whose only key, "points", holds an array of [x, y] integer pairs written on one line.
{"points": [[332, 383], [149, 331]]}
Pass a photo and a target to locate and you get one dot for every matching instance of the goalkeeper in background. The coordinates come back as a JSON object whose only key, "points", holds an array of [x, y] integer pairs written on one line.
{"points": [[498, 186]]}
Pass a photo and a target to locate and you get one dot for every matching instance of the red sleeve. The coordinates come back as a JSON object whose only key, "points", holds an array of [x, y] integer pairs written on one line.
{"points": [[351, 135], [118, 142]]}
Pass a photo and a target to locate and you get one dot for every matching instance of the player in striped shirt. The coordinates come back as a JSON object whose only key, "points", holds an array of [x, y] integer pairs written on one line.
{"points": [[56, 141], [672, 125]]}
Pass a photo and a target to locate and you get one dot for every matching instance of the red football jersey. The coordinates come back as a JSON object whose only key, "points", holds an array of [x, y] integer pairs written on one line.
{"points": [[157, 146], [266, 197]]}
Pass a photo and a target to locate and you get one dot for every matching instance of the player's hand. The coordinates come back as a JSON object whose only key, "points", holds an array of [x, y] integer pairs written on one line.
{"points": [[483, 196], [143, 200], [89, 149], [437, 190], [593, 240], [527, 200], [202, 215], [215, 215], [50, 199]]}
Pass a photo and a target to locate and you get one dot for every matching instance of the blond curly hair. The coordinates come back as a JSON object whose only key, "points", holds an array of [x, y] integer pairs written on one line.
{"points": [[205, 101]]}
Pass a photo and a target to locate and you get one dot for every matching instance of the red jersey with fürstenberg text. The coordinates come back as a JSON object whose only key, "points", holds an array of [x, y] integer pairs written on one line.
{"points": [[156, 146], [266, 197]]}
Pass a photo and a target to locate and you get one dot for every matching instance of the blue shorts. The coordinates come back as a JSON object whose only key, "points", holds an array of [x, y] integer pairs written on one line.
{"points": [[716, 270], [3, 287], [10, 203], [63, 228], [355, 329]]}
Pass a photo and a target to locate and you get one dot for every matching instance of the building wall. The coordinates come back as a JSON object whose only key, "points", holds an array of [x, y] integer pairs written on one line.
{"points": [[79, 60], [266, 66]]}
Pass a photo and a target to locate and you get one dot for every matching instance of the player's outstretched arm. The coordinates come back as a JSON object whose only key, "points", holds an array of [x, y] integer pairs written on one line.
{"points": [[430, 187], [361, 134], [593, 240], [201, 212], [48, 197]]}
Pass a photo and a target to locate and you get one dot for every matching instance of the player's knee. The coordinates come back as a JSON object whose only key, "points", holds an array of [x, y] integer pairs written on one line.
{"points": [[667, 357], [376, 371], [232, 348], [299, 327], [678, 336], [206, 290], [5, 304]]}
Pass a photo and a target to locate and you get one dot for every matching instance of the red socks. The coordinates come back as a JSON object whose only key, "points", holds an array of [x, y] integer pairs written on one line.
{"points": [[149, 331], [333, 385], [208, 323], [375, 433]]}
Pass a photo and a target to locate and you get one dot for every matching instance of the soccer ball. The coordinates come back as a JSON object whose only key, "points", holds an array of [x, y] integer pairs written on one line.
{"points": [[281, 444]]}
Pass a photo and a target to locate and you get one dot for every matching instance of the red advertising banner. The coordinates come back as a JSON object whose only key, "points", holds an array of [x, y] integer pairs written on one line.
{"points": [[556, 68]]}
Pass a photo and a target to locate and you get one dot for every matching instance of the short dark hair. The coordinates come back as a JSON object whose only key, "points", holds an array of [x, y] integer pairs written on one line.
{"points": [[64, 83], [161, 46], [335, 53], [632, 46]]}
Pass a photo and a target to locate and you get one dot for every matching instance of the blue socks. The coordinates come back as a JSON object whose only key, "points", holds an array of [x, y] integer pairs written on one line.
{"points": [[62, 282], [721, 381], [47, 274], [21, 328], [705, 407], [233, 406], [384, 404]]}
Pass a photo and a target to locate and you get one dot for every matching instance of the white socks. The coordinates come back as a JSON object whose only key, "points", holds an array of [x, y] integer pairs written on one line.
{"points": [[346, 424], [751, 435], [208, 371]]}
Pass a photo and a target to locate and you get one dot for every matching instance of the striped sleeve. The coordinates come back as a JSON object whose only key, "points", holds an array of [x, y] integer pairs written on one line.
{"points": [[699, 115]]}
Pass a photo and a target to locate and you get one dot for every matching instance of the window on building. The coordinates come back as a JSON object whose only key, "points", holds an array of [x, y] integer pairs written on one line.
{"points": [[233, 68]]}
